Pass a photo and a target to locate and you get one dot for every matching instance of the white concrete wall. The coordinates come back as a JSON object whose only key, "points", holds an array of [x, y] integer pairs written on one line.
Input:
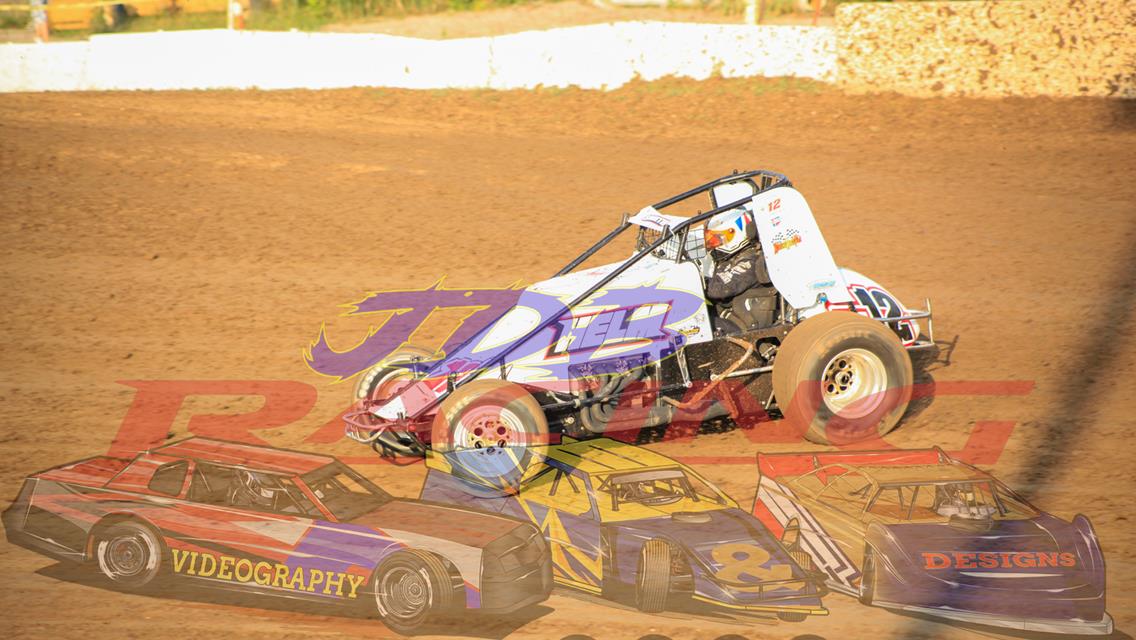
{"points": [[602, 56]]}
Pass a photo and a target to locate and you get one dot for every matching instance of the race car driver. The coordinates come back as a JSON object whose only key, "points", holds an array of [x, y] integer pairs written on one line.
{"points": [[251, 489], [739, 285]]}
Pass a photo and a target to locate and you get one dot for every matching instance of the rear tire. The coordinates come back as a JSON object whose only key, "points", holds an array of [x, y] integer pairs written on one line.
{"points": [[653, 582], [841, 378], [411, 588], [129, 555], [487, 430]]}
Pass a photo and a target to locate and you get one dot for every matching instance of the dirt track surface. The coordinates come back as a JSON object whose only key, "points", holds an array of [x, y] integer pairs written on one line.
{"points": [[207, 236]]}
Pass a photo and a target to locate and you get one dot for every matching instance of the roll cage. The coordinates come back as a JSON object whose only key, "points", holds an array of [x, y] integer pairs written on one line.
{"points": [[872, 489], [762, 180]]}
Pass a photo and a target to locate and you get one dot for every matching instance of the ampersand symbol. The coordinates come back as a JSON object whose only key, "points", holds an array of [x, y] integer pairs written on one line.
{"points": [[738, 559]]}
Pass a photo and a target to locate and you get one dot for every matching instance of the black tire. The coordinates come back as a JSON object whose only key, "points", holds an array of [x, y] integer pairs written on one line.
{"points": [[805, 562], [381, 375], [840, 377], [411, 588], [130, 555], [653, 581], [868, 577], [487, 430]]}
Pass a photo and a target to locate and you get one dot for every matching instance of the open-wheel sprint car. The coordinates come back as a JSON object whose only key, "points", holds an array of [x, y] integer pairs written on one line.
{"points": [[917, 531], [281, 523], [630, 344], [623, 521]]}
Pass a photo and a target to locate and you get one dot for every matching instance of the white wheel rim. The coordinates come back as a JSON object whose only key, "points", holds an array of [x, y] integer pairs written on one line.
{"points": [[127, 556], [488, 426], [490, 442], [854, 383], [403, 593]]}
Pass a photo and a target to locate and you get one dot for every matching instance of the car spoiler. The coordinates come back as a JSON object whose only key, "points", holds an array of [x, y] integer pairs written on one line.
{"points": [[779, 465]]}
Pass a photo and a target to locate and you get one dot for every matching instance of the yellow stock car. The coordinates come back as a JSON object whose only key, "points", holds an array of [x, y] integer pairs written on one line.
{"points": [[620, 518]]}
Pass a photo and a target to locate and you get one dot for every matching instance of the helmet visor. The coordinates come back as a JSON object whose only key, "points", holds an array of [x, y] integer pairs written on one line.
{"points": [[715, 238]]}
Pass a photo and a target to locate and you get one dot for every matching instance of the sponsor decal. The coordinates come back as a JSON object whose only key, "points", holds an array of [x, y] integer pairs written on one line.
{"points": [[266, 574], [937, 561], [822, 284], [786, 240]]}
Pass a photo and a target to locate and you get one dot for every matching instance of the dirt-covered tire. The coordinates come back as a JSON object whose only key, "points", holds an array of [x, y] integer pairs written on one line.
{"points": [[487, 431], [410, 588], [841, 377], [653, 580], [382, 380], [130, 555], [868, 577]]}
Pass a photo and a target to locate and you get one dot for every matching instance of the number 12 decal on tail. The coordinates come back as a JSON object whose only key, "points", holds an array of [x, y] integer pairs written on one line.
{"points": [[874, 302]]}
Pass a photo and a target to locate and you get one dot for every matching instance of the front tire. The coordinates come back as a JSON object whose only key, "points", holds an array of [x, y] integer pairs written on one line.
{"points": [[384, 379], [653, 582], [841, 378], [129, 555], [411, 588], [487, 431], [868, 577]]}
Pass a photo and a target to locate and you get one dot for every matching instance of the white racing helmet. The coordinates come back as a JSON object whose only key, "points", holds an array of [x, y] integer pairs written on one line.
{"points": [[730, 231]]}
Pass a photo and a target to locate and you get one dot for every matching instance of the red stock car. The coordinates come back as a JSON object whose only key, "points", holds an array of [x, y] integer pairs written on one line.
{"points": [[278, 522]]}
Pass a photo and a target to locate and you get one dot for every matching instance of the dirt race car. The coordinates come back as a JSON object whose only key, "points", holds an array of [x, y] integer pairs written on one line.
{"points": [[916, 531], [634, 343], [276, 522], [623, 520]]}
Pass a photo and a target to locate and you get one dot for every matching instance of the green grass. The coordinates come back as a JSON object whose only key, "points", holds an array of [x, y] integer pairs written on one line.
{"points": [[304, 15]]}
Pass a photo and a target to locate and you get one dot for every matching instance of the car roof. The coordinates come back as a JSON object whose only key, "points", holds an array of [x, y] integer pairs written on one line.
{"points": [[919, 473], [604, 455], [246, 455]]}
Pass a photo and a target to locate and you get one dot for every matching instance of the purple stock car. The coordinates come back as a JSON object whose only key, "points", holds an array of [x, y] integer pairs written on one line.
{"points": [[917, 531]]}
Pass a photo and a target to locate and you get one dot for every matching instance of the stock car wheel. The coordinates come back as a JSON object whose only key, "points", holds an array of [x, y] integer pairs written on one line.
{"points": [[841, 377], [410, 588], [129, 555], [486, 431], [868, 577], [653, 581], [384, 379]]}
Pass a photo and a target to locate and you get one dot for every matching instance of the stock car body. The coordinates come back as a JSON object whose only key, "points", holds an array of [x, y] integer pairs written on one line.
{"points": [[635, 343], [621, 519], [276, 522], [917, 531]]}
